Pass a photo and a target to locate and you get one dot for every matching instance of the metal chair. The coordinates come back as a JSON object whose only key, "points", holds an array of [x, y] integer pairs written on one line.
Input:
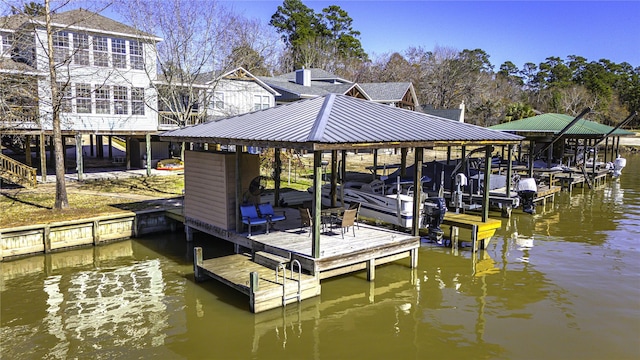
{"points": [[250, 217], [266, 211], [305, 219]]}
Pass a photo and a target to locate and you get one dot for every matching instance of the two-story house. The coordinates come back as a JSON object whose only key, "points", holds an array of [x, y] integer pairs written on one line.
{"points": [[107, 79]]}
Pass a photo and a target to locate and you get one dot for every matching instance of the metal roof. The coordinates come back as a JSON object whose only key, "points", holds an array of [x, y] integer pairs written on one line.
{"points": [[554, 123], [338, 122]]}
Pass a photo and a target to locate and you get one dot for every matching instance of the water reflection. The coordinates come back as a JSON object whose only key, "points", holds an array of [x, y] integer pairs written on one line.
{"points": [[547, 286]]}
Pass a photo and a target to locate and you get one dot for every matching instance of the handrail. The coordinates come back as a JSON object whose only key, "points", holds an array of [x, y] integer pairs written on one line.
{"points": [[17, 172], [298, 294]]}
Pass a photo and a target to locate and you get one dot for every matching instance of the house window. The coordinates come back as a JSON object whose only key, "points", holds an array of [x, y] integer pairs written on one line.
{"points": [[260, 102], [64, 94], [100, 51], [218, 100], [7, 42], [83, 98], [135, 52], [137, 101], [81, 49], [60, 46], [119, 53], [103, 100], [120, 100]]}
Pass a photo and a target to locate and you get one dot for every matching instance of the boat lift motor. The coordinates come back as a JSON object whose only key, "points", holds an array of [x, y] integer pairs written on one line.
{"points": [[527, 191], [461, 180], [434, 210]]}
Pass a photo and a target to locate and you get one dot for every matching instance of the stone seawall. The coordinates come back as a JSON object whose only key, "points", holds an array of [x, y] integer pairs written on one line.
{"points": [[46, 238]]}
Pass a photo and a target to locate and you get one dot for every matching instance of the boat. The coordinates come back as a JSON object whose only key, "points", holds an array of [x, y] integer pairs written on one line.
{"points": [[378, 200]]}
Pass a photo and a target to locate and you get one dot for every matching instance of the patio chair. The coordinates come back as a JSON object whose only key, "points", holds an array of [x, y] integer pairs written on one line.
{"points": [[250, 217], [266, 211], [347, 220], [305, 219], [356, 205]]}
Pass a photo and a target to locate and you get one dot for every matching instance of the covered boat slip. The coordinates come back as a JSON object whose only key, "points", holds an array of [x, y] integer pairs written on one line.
{"points": [[218, 185]]}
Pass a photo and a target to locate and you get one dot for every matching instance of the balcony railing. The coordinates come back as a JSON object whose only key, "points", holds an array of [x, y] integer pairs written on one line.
{"points": [[169, 120]]}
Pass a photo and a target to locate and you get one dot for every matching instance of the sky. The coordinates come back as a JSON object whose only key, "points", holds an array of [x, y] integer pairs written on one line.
{"points": [[516, 31]]}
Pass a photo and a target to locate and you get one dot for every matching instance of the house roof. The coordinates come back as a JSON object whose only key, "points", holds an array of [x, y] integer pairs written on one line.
{"points": [[394, 91], [338, 122], [79, 19], [316, 74], [554, 123], [453, 114], [297, 91]]}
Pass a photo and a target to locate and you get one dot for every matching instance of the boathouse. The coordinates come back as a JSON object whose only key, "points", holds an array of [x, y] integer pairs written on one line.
{"points": [[217, 182], [561, 140]]}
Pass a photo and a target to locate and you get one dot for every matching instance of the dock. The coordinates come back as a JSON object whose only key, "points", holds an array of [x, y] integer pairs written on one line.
{"points": [[472, 227], [277, 268]]}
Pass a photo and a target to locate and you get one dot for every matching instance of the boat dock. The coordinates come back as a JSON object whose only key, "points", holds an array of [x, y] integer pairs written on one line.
{"points": [[277, 268]]}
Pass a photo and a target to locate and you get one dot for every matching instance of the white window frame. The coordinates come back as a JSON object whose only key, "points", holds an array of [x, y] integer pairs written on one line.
{"points": [[81, 47], [61, 46], [136, 54], [100, 46], [137, 101], [218, 100], [120, 100], [83, 98], [119, 53], [103, 99]]}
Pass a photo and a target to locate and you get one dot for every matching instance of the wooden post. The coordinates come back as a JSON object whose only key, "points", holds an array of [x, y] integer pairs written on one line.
{"points": [[276, 174], [96, 232], [27, 150], [487, 180], [43, 158], [417, 186], [99, 147], [110, 148], [238, 189], [91, 145], [375, 163], [197, 263], [127, 152], [414, 258], [474, 237], [343, 166], [448, 154], [147, 139], [532, 147], [334, 177], [46, 237], [509, 169], [79, 158], [371, 269], [317, 203], [403, 162]]}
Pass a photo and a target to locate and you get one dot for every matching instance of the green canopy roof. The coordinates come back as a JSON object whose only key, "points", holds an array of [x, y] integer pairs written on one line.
{"points": [[554, 123]]}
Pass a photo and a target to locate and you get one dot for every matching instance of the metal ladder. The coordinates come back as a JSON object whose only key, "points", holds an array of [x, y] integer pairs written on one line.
{"points": [[297, 295]]}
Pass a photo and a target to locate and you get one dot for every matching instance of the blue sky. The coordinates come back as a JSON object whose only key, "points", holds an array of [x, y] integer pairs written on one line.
{"points": [[518, 31]]}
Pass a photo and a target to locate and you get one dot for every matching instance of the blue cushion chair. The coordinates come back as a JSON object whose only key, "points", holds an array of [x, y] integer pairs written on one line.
{"points": [[250, 217], [266, 211]]}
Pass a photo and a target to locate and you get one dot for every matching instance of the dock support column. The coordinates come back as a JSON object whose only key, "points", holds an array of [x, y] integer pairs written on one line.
{"points": [[417, 186], [414, 258], [43, 158], [188, 233], [147, 139], [487, 181], [474, 237], [197, 263], [317, 203], [277, 176], [371, 269], [79, 158], [253, 287]]}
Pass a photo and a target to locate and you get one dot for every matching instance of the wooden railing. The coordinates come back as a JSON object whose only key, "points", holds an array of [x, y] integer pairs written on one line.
{"points": [[17, 172], [169, 120]]}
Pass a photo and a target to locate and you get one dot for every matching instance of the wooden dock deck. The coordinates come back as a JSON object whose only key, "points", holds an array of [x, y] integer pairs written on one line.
{"points": [[254, 273], [467, 226]]}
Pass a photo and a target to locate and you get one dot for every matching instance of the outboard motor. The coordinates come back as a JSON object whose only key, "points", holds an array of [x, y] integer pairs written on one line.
{"points": [[618, 165], [527, 191], [434, 210]]}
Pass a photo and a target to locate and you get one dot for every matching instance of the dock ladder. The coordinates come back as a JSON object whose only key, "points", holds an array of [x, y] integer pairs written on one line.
{"points": [[298, 294]]}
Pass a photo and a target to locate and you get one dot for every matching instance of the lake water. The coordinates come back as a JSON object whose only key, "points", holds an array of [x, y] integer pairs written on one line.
{"points": [[562, 284]]}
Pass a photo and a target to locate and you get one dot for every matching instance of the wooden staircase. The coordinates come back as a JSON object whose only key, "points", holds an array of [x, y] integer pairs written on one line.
{"points": [[17, 172]]}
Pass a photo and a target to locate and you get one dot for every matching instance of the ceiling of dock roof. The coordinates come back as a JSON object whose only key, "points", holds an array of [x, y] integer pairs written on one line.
{"points": [[338, 122]]}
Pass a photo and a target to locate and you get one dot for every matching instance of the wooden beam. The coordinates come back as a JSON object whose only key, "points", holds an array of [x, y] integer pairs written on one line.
{"points": [[417, 186], [334, 177], [487, 180], [277, 177], [317, 203]]}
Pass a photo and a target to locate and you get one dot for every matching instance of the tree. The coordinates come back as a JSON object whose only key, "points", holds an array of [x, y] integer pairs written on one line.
{"points": [[326, 40], [30, 9]]}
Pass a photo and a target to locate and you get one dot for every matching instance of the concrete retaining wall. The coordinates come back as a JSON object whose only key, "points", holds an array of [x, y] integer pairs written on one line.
{"points": [[35, 239]]}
